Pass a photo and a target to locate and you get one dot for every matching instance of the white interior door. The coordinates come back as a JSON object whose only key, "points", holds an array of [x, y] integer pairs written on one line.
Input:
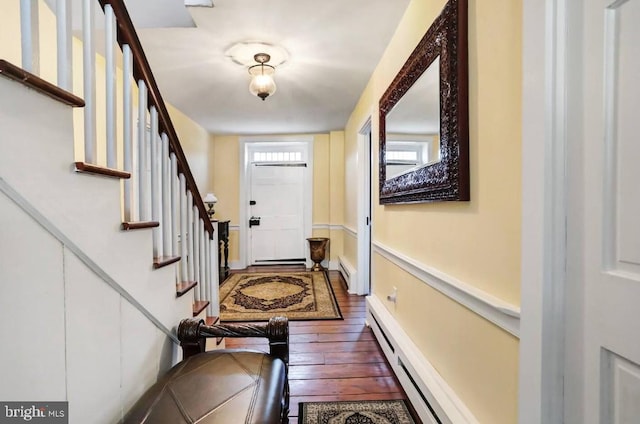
{"points": [[276, 210], [607, 267]]}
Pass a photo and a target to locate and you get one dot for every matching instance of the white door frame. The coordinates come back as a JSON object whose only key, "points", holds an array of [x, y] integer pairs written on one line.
{"points": [[365, 151], [245, 163], [544, 209]]}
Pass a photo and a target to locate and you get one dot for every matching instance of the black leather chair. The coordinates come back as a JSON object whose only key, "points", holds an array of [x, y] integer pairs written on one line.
{"points": [[224, 386]]}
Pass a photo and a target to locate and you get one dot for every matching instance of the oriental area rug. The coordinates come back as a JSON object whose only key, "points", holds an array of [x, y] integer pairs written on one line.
{"points": [[355, 412], [260, 296]]}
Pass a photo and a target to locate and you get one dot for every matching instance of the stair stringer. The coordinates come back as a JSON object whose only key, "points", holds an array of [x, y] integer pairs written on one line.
{"points": [[69, 319], [37, 162]]}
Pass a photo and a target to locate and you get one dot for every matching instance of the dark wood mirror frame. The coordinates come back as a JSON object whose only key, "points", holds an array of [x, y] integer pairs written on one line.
{"points": [[447, 179]]}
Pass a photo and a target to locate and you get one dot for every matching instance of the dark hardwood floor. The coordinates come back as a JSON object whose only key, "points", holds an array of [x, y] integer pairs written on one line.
{"points": [[333, 360]]}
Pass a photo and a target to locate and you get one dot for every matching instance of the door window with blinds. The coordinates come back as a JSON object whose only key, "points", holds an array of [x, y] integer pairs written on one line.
{"points": [[278, 157]]}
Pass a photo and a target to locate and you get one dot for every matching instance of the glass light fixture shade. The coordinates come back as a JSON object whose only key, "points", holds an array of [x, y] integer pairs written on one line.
{"points": [[210, 198], [262, 83]]}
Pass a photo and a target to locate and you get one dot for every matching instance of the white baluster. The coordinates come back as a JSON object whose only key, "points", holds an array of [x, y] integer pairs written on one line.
{"points": [[30, 29], [195, 240], [127, 132], [213, 282], [173, 173], [89, 81], [207, 270], [64, 37], [143, 143], [166, 196], [184, 241], [189, 239], [111, 83], [156, 211], [201, 250]]}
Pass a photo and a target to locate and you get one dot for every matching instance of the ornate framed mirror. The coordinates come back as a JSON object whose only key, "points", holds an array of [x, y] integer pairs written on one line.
{"points": [[424, 117]]}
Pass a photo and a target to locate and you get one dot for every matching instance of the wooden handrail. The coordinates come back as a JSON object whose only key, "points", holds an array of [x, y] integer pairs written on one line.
{"points": [[142, 71]]}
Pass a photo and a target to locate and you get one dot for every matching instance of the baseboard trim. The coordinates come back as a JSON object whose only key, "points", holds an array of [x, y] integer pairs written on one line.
{"points": [[428, 392], [497, 311]]}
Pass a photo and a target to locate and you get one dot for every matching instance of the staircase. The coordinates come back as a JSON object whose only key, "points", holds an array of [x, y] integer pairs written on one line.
{"points": [[101, 257]]}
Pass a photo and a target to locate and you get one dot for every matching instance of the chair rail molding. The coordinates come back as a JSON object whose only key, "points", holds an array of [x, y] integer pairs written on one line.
{"points": [[350, 231], [491, 308]]}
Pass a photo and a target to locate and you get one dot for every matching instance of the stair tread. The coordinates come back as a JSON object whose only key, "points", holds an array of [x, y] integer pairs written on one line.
{"points": [[33, 81], [184, 287], [137, 225], [161, 261], [211, 320], [89, 168], [199, 306]]}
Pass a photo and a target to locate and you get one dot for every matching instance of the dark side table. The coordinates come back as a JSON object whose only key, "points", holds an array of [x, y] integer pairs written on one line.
{"points": [[223, 238]]}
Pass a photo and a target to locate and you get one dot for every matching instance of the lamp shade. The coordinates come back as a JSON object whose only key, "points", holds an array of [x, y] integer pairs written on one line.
{"points": [[210, 198]]}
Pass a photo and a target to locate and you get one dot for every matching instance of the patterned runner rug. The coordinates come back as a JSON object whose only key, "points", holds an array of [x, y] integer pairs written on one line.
{"points": [[355, 412], [260, 296]]}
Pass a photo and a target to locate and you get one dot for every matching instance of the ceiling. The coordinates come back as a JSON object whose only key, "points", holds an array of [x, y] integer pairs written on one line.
{"points": [[333, 48]]}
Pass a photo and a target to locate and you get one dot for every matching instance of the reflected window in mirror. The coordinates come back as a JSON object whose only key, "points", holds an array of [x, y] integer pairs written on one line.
{"points": [[413, 126]]}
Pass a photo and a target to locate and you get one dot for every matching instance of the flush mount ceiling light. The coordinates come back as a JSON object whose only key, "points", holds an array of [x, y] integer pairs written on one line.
{"points": [[261, 59], [198, 3], [262, 83]]}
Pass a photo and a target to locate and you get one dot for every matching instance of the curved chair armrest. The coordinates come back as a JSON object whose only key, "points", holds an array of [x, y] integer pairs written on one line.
{"points": [[193, 333]]}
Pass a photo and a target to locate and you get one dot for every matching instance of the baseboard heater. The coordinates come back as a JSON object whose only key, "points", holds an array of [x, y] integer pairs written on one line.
{"points": [[348, 273], [431, 397]]}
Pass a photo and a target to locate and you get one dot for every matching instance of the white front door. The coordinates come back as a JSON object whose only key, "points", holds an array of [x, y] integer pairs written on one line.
{"points": [[604, 204], [276, 207]]}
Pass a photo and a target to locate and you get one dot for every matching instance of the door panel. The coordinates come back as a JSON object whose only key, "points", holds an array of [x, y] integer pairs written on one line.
{"points": [[278, 194], [622, 389], [610, 231]]}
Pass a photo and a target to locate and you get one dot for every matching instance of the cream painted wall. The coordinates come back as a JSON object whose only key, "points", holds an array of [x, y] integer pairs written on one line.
{"points": [[224, 162], [195, 142], [336, 193], [321, 200], [477, 242], [10, 49]]}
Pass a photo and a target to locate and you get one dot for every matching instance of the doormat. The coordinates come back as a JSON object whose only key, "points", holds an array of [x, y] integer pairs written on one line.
{"points": [[360, 412], [260, 296]]}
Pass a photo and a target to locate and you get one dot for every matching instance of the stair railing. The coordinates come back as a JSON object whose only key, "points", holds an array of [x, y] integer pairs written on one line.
{"points": [[161, 190]]}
